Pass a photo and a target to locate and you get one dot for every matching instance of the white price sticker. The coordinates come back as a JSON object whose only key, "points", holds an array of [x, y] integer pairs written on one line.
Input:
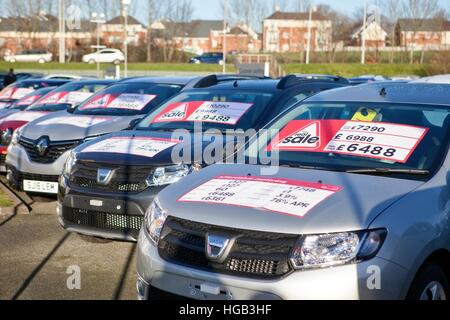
{"points": [[220, 112], [19, 93], [285, 196], [78, 121], [385, 141], [26, 116], [139, 146], [131, 101]]}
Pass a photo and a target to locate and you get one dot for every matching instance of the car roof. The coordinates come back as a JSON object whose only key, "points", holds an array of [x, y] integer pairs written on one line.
{"points": [[161, 80], [385, 92], [93, 81], [48, 81]]}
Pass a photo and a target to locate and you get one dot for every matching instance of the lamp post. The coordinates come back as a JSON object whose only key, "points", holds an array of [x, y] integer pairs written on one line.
{"points": [[363, 35], [308, 45], [126, 6], [98, 19], [224, 46], [62, 31]]}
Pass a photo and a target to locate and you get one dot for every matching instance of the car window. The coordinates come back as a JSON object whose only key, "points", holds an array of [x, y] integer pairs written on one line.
{"points": [[345, 136], [71, 94], [225, 109], [128, 99]]}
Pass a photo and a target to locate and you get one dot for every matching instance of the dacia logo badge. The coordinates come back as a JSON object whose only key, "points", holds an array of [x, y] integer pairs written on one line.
{"points": [[104, 176], [217, 247], [42, 146]]}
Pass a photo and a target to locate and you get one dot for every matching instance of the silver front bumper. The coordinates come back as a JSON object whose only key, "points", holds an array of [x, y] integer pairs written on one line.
{"points": [[17, 157], [348, 282]]}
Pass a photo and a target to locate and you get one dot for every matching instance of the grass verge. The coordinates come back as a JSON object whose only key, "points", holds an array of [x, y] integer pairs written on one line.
{"points": [[5, 200]]}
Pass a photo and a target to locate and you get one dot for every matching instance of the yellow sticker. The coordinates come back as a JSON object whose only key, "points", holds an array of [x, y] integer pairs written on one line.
{"points": [[365, 114]]}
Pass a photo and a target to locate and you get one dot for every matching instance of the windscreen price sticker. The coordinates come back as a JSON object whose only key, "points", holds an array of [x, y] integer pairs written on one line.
{"points": [[384, 141], [228, 113], [139, 146], [285, 196], [131, 101]]}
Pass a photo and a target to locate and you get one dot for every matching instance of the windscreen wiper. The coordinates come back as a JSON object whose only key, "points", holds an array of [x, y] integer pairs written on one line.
{"points": [[390, 171]]}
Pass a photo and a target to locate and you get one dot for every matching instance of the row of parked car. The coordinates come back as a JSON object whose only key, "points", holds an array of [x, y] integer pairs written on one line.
{"points": [[239, 187]]}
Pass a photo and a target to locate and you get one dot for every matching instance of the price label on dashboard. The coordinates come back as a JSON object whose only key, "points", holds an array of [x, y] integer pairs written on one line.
{"points": [[384, 141]]}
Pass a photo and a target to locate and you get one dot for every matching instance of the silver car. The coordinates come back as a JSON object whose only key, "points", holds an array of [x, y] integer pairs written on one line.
{"points": [[353, 205], [38, 151]]}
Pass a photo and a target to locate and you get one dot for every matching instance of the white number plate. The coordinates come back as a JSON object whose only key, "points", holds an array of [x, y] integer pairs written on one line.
{"points": [[40, 186]]}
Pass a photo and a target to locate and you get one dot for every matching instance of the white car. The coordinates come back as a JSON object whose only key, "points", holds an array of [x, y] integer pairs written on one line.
{"points": [[441, 79], [40, 56], [104, 56], [62, 77]]}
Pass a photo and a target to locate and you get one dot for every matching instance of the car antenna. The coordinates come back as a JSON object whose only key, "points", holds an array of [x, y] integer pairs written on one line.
{"points": [[235, 84], [383, 92]]}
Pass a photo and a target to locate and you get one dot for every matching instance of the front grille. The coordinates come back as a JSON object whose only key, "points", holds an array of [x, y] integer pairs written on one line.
{"points": [[37, 177], [130, 179], [54, 151], [254, 254], [105, 221], [2, 159]]}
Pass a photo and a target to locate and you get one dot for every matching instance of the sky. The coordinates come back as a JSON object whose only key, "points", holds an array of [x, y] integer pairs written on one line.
{"points": [[210, 9]]}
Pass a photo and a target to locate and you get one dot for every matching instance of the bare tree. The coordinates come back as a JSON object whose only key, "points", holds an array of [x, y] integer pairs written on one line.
{"points": [[153, 8], [301, 5], [249, 12], [417, 11], [394, 11]]}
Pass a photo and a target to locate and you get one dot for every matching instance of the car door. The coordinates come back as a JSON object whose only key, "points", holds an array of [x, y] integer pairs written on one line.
{"points": [[107, 56]]}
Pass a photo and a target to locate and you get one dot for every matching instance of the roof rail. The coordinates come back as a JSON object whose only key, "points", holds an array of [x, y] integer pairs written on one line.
{"points": [[214, 79], [287, 81], [322, 77]]}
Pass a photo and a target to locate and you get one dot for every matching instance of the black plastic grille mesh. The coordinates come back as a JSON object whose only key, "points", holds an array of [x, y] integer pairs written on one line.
{"points": [[254, 254]]}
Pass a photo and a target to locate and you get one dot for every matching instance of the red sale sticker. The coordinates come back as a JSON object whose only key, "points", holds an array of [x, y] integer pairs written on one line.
{"points": [[286, 196], [385, 141], [28, 100], [204, 111]]}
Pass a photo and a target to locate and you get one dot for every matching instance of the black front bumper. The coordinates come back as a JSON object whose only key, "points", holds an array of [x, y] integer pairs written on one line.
{"points": [[103, 214]]}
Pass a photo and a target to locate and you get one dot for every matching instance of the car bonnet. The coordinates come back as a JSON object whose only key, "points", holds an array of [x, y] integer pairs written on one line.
{"points": [[360, 199], [63, 126]]}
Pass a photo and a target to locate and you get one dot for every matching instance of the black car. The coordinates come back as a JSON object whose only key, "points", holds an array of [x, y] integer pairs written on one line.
{"points": [[208, 58], [108, 183]]}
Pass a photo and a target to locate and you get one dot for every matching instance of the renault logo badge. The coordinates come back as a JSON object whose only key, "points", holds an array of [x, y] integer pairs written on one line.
{"points": [[42, 146], [104, 176], [218, 247]]}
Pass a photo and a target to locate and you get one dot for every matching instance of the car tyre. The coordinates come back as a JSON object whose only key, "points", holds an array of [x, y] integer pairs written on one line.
{"points": [[117, 62], [92, 61], [430, 283], [12, 60], [41, 61], [92, 239]]}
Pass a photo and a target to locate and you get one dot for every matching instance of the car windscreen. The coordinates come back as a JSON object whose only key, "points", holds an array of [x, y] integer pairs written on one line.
{"points": [[356, 136], [128, 99], [220, 110], [31, 98], [71, 94]]}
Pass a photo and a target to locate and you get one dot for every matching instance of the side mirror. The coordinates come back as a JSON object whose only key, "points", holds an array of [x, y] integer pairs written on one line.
{"points": [[71, 108], [133, 123]]}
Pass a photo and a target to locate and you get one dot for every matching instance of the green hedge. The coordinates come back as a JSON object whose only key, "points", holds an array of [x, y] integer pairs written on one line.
{"points": [[352, 70]]}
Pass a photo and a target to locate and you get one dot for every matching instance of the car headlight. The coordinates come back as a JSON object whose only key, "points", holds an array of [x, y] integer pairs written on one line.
{"points": [[15, 137], [167, 175], [70, 163], [326, 250], [154, 220], [6, 136]]}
